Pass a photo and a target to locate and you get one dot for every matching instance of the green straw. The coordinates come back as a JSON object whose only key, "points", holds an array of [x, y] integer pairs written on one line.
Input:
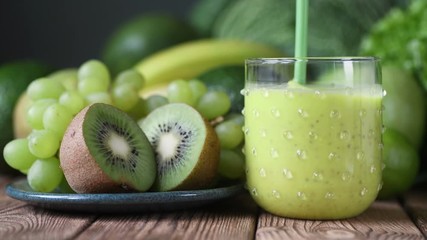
{"points": [[301, 30]]}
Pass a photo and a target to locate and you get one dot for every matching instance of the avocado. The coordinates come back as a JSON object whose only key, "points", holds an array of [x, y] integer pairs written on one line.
{"points": [[142, 36], [14, 78]]}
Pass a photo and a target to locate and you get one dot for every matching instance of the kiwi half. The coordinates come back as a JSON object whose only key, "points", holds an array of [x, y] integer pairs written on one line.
{"points": [[104, 150], [185, 145]]}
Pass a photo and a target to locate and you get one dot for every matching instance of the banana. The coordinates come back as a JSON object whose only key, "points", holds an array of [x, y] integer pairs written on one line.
{"points": [[190, 59]]}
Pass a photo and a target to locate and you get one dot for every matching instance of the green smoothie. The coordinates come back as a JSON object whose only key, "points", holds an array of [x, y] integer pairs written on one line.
{"points": [[312, 152]]}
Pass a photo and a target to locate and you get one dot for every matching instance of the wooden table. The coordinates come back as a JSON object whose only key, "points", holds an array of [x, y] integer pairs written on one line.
{"points": [[236, 218]]}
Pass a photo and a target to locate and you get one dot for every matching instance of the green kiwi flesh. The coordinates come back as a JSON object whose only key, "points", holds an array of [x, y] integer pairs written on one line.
{"points": [[104, 150], [185, 145]]}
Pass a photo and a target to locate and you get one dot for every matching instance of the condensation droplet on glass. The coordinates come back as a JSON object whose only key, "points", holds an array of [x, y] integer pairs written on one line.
{"points": [[362, 113], [334, 114], [255, 113], [363, 192], [371, 133], [332, 156], [245, 130], [287, 173], [384, 93], [262, 172], [373, 169], [301, 195], [345, 176], [288, 94], [380, 186], [244, 92], [243, 111], [266, 93], [276, 194], [253, 151], [288, 135], [344, 135], [380, 146], [360, 155], [312, 135], [329, 195], [302, 113], [317, 176], [274, 153], [301, 154], [275, 112], [380, 110], [263, 133], [382, 166], [383, 129], [254, 192]]}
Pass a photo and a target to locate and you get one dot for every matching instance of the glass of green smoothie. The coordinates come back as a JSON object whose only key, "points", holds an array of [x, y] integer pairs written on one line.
{"points": [[313, 148]]}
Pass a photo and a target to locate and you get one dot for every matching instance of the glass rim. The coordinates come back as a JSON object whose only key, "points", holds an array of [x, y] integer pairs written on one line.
{"points": [[311, 59]]}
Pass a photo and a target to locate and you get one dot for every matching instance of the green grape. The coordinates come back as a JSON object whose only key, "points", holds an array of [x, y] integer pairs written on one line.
{"points": [[235, 117], [214, 104], [132, 77], [138, 111], [91, 85], [45, 88], [43, 143], [94, 69], [99, 97], [231, 164], [125, 97], [36, 110], [67, 76], [198, 88], [73, 101], [155, 101], [230, 134], [180, 91], [17, 154], [56, 118], [45, 175]]}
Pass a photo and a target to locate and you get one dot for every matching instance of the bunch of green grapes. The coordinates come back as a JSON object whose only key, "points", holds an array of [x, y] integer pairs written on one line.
{"points": [[54, 103], [215, 107]]}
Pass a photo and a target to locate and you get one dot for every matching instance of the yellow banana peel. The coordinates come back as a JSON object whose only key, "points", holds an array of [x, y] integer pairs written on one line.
{"points": [[189, 60]]}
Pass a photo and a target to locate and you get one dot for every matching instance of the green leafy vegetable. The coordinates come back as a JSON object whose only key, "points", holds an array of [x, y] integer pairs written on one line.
{"points": [[401, 38]]}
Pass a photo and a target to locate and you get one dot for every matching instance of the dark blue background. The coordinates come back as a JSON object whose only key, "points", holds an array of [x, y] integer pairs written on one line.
{"points": [[66, 33]]}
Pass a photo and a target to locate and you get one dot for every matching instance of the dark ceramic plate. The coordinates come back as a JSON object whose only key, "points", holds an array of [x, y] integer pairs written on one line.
{"points": [[121, 202]]}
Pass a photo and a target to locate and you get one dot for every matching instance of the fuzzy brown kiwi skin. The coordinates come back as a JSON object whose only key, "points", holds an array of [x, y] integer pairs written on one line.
{"points": [[80, 169], [204, 173]]}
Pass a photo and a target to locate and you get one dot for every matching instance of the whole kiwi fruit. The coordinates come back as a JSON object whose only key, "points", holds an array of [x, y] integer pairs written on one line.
{"points": [[104, 150], [185, 145]]}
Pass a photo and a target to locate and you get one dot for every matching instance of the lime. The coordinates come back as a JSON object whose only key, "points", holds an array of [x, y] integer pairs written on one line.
{"points": [[142, 36], [401, 161], [14, 79], [404, 104], [230, 79]]}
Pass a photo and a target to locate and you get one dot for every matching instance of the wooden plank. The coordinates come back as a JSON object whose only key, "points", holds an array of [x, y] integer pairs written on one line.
{"points": [[28, 222], [7, 203], [18, 220], [416, 204], [231, 219], [383, 220]]}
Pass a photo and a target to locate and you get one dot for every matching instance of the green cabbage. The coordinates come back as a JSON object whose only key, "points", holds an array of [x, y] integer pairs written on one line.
{"points": [[336, 27]]}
